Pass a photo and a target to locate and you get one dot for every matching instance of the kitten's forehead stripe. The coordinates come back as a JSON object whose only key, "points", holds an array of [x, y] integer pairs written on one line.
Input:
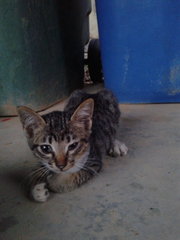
{"points": [[68, 138], [50, 139], [44, 138], [57, 125], [62, 136], [74, 137], [56, 120]]}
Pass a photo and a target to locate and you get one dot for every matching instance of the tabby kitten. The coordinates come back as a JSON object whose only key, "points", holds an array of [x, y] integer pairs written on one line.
{"points": [[70, 144]]}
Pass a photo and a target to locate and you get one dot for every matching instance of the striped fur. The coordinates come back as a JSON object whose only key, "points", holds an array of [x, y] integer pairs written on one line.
{"points": [[70, 144]]}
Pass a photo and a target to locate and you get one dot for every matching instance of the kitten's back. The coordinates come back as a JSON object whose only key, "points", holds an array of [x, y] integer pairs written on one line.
{"points": [[105, 103], [105, 118]]}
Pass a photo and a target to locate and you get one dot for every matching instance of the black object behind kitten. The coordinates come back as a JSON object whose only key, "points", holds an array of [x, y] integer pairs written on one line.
{"points": [[70, 144]]}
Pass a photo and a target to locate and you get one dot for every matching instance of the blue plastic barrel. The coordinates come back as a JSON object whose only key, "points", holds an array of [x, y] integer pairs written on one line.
{"points": [[140, 45]]}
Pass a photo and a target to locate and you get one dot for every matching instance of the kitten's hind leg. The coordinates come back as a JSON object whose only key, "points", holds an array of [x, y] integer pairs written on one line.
{"points": [[39, 192], [118, 149]]}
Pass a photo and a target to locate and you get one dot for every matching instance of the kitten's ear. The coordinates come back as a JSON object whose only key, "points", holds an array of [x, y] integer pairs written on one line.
{"points": [[31, 121], [82, 117]]}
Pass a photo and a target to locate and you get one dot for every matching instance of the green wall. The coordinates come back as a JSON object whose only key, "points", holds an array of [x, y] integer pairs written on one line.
{"points": [[41, 51]]}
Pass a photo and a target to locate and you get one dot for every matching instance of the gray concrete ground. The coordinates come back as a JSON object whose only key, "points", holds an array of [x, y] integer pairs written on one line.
{"points": [[136, 197]]}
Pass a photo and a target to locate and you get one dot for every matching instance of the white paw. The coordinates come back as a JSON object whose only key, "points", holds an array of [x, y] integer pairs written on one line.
{"points": [[40, 193], [119, 149]]}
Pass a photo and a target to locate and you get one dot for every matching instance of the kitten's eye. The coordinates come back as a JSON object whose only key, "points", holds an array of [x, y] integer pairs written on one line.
{"points": [[72, 146], [46, 149]]}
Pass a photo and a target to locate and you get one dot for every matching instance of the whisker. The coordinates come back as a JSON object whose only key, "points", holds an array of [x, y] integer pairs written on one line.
{"points": [[38, 176], [86, 168], [33, 173], [36, 171], [44, 174]]}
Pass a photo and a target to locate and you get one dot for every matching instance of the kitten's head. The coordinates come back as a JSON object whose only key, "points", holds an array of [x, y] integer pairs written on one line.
{"points": [[59, 141]]}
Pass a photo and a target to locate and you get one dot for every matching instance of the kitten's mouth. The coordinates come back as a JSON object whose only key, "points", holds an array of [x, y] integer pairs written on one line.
{"points": [[52, 167], [65, 168], [55, 169], [60, 167]]}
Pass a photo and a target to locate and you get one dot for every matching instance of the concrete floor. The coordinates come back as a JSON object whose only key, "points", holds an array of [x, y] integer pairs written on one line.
{"points": [[135, 197]]}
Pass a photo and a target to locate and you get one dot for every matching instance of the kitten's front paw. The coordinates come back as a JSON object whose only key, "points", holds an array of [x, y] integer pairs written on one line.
{"points": [[40, 193], [119, 149]]}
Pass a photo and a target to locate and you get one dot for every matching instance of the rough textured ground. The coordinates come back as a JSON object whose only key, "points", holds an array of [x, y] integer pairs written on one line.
{"points": [[135, 197]]}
